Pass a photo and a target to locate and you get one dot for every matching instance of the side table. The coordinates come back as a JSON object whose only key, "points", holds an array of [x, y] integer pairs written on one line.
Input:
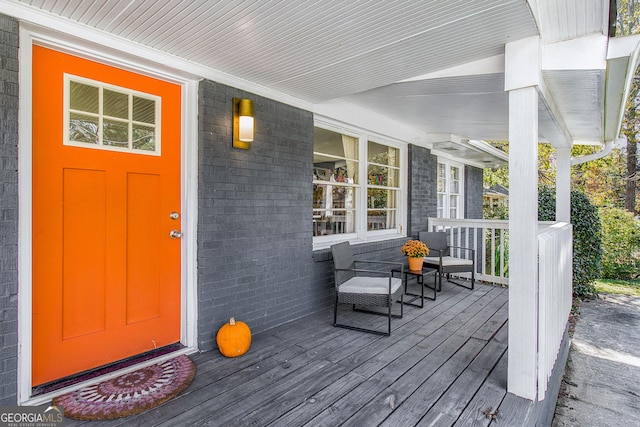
{"points": [[419, 275]]}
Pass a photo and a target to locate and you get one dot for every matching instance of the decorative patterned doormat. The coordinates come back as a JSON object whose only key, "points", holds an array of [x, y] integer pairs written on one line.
{"points": [[131, 393]]}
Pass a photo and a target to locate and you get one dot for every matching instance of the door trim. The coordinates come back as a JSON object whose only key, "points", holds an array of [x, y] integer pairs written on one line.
{"points": [[30, 36]]}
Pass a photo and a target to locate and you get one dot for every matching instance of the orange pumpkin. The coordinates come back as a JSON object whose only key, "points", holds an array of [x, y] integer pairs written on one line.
{"points": [[234, 338]]}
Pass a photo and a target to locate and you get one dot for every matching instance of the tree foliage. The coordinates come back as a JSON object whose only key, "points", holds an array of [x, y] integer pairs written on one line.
{"points": [[620, 244], [628, 23]]}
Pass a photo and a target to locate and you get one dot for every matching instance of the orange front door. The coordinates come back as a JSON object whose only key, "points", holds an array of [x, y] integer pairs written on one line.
{"points": [[106, 196]]}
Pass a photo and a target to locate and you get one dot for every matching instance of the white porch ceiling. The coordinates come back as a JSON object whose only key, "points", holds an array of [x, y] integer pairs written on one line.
{"points": [[427, 64]]}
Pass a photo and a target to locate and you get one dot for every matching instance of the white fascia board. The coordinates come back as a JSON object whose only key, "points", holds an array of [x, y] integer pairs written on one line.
{"points": [[354, 115], [623, 55], [493, 151], [107, 45], [583, 53], [491, 65], [452, 156], [623, 46]]}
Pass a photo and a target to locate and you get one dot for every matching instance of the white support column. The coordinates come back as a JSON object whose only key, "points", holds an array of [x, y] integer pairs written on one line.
{"points": [[563, 184], [523, 238], [523, 80]]}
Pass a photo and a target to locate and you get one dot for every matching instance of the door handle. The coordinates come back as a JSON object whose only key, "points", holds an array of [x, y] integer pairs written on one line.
{"points": [[175, 234]]}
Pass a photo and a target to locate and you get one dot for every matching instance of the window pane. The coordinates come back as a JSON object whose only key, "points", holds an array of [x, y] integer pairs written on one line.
{"points": [[144, 110], [383, 154], [379, 198], [381, 220], [83, 128], [335, 157], [379, 175], [453, 206], [455, 180], [143, 137], [329, 223], [84, 97], [115, 133], [455, 187], [116, 104], [441, 201], [335, 144]]}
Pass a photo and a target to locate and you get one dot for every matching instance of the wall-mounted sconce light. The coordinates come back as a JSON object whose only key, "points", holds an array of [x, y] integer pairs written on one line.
{"points": [[242, 123]]}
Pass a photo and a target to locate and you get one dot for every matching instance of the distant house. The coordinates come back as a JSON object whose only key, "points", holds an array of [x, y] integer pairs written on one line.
{"points": [[495, 198]]}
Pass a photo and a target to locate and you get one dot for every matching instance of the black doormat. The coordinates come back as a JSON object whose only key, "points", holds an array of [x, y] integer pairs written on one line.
{"points": [[103, 370]]}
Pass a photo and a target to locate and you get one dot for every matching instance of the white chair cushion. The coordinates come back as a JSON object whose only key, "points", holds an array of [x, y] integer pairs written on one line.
{"points": [[370, 285], [447, 261]]}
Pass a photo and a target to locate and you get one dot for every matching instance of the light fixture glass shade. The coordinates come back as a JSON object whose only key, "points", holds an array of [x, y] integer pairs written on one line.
{"points": [[245, 132], [242, 123]]}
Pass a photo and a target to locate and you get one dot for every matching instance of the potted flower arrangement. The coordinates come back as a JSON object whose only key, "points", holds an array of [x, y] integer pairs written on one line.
{"points": [[415, 251]]}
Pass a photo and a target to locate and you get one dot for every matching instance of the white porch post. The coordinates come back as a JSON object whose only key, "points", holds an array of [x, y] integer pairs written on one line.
{"points": [[563, 184], [522, 71]]}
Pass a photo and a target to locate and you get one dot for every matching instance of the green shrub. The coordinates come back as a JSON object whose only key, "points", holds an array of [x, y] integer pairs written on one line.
{"points": [[587, 237], [621, 244]]}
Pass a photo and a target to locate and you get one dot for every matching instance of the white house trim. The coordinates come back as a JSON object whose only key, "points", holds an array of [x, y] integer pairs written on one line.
{"points": [[29, 36]]}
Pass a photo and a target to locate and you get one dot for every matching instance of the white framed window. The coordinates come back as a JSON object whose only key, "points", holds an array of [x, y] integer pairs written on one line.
{"points": [[450, 189], [103, 116], [359, 186], [383, 186]]}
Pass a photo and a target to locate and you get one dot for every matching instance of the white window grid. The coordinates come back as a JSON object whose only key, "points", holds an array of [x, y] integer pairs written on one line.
{"points": [[100, 116]]}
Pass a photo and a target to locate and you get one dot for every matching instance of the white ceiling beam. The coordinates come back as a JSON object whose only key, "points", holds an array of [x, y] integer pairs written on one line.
{"points": [[546, 97], [491, 65], [523, 68], [584, 53]]}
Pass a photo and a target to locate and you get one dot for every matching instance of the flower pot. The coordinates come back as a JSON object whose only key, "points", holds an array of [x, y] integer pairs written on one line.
{"points": [[415, 263]]}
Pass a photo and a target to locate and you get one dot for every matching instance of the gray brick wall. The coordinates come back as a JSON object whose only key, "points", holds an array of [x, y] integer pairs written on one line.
{"points": [[422, 189], [8, 210], [254, 220], [473, 192]]}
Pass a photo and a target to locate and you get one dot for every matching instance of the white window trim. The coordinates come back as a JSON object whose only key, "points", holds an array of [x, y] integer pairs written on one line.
{"points": [[448, 163], [361, 234]]}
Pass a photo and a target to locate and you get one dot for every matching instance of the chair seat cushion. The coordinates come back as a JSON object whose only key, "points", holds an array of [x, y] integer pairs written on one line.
{"points": [[447, 261], [370, 285]]}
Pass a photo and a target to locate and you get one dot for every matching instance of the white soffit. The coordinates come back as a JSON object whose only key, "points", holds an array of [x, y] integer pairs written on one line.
{"points": [[560, 20], [431, 66], [312, 50]]}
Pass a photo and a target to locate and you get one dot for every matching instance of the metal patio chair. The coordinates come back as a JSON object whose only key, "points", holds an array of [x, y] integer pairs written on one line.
{"points": [[440, 257], [365, 287]]}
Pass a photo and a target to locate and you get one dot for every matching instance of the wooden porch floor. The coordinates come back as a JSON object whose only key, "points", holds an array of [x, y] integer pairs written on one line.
{"points": [[444, 364]]}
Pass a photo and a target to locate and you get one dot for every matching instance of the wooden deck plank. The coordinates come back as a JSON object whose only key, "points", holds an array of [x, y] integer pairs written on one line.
{"points": [[435, 349], [400, 341], [453, 402], [487, 398], [441, 363], [265, 380]]}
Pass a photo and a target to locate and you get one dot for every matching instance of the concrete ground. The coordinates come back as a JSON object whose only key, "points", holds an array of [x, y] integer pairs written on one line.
{"points": [[602, 377]]}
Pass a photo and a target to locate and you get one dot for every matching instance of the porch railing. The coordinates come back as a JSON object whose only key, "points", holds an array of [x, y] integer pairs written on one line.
{"points": [[555, 273], [490, 239]]}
